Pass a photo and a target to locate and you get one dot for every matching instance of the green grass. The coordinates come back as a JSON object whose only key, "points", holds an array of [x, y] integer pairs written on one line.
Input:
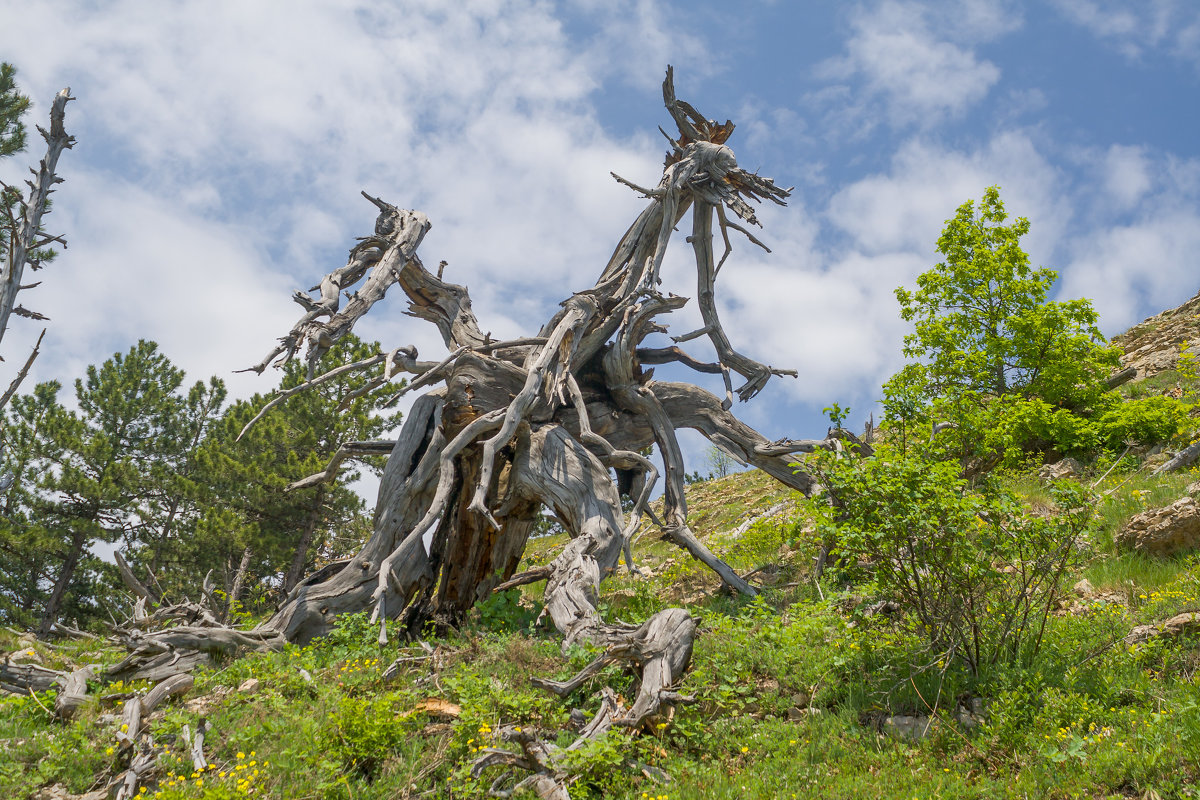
{"points": [[791, 691]]}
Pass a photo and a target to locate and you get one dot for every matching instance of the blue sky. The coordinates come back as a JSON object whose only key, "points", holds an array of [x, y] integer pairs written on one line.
{"points": [[222, 147]]}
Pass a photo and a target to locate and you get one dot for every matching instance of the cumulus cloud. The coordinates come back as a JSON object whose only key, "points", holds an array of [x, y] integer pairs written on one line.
{"points": [[1126, 175], [914, 73], [904, 208], [222, 148], [1137, 250], [1150, 263]]}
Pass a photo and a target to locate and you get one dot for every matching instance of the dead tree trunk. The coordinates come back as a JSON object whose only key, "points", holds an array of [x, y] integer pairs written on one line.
{"points": [[25, 236], [505, 428]]}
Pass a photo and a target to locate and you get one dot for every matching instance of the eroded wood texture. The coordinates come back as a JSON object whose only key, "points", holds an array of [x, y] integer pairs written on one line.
{"points": [[505, 429]]}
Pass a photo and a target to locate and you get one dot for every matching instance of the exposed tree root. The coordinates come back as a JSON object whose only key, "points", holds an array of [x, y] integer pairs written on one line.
{"points": [[505, 429]]}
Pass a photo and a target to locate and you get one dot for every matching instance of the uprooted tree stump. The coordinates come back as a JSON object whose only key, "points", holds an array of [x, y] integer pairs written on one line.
{"points": [[506, 428]]}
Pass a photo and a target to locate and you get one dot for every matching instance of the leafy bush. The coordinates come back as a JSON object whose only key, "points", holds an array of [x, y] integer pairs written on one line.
{"points": [[1149, 420], [363, 732], [977, 575], [504, 612]]}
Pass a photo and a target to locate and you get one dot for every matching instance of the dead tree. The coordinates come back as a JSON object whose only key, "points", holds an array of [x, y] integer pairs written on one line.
{"points": [[506, 428], [24, 238]]}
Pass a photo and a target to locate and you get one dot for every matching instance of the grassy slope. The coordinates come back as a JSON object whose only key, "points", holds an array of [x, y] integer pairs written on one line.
{"points": [[791, 689]]}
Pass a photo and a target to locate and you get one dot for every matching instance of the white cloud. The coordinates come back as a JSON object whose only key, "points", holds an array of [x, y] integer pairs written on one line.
{"points": [[919, 77], [222, 148], [1135, 29], [1150, 263], [838, 326], [136, 269], [1136, 250], [633, 40], [905, 208], [1126, 177], [977, 20]]}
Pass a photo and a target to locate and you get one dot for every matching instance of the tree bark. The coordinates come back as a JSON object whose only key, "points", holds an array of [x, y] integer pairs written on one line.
{"points": [[239, 582], [307, 534], [54, 602], [505, 428], [27, 233]]}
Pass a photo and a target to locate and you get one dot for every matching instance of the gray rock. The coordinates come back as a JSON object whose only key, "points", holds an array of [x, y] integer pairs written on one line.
{"points": [[1066, 468], [909, 728], [1163, 531]]}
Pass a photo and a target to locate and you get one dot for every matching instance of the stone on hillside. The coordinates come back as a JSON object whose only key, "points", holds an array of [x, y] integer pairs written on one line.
{"points": [[910, 728], [1193, 488], [1084, 587], [1178, 625], [248, 686], [26, 655], [1067, 468], [1153, 346], [1164, 531]]}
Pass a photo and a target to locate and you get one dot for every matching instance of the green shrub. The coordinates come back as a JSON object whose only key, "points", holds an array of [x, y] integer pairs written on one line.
{"points": [[977, 575], [1150, 420], [1031, 425], [504, 612], [362, 732]]}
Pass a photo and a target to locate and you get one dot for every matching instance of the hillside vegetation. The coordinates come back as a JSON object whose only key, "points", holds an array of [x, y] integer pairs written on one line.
{"points": [[808, 690], [973, 602]]}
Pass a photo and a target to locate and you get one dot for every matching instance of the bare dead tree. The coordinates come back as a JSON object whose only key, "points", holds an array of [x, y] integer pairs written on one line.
{"points": [[506, 428], [23, 227]]}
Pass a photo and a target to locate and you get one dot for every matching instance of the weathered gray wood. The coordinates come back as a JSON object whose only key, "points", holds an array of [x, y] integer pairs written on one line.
{"points": [[131, 581], [21, 374], [378, 447], [27, 234], [505, 428], [73, 693], [1181, 459], [20, 678], [199, 762]]}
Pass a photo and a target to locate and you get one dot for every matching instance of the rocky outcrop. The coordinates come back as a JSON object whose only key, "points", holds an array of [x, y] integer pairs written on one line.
{"points": [[1067, 468], [1164, 531], [1152, 346], [1185, 624]]}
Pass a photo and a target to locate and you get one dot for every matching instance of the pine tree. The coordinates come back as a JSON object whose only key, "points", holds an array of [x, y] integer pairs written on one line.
{"points": [[253, 528], [25, 541], [104, 471], [170, 510], [13, 106]]}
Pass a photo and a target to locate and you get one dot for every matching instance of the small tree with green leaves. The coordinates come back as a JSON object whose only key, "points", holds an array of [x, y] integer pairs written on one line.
{"points": [[986, 338]]}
